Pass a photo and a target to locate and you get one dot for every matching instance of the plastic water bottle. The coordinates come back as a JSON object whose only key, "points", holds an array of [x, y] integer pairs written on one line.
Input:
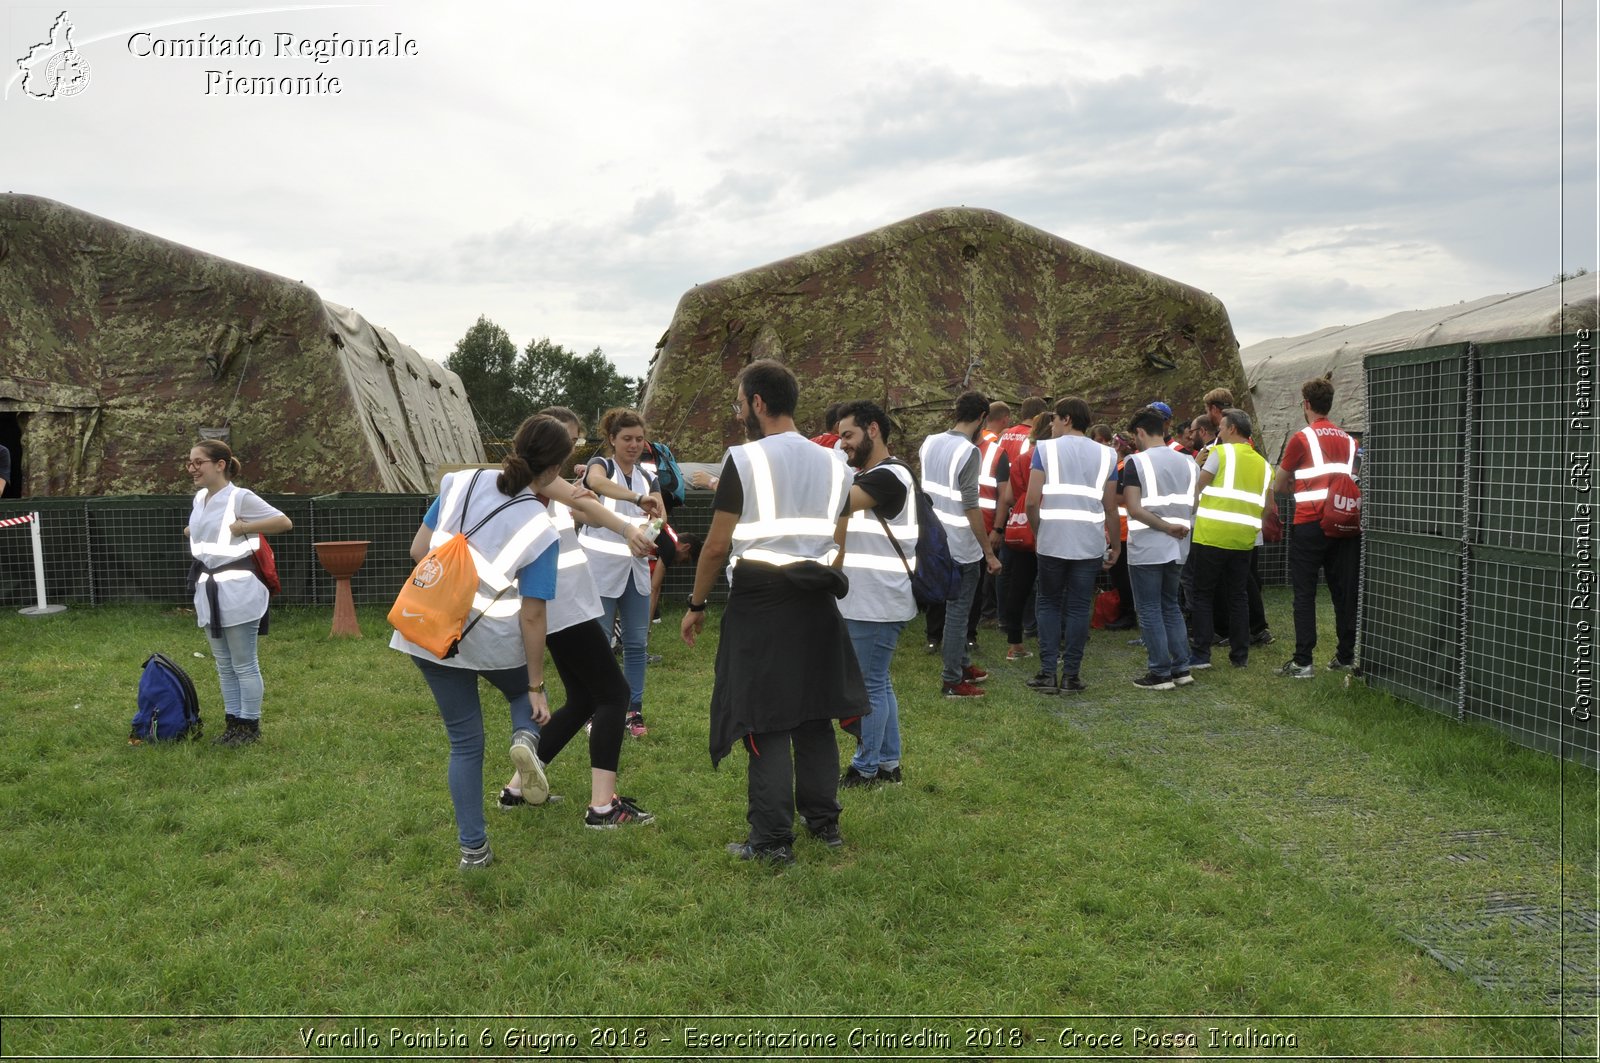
{"points": [[653, 528]]}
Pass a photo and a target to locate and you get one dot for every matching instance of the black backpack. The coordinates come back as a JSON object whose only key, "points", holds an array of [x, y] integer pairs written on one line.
{"points": [[168, 709], [937, 577]]}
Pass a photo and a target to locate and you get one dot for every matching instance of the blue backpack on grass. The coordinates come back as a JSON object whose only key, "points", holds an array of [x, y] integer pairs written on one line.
{"points": [[168, 709]]}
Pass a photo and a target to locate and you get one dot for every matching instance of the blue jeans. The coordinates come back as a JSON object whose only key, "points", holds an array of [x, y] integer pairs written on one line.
{"points": [[634, 607], [1166, 638], [956, 654], [1066, 597], [456, 692], [879, 745], [238, 670]]}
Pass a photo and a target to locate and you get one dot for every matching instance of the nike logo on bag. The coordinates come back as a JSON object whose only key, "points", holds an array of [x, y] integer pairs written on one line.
{"points": [[408, 614]]}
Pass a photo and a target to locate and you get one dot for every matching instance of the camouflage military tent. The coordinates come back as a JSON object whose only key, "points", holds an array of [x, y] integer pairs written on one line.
{"points": [[118, 349], [914, 313], [1277, 368]]}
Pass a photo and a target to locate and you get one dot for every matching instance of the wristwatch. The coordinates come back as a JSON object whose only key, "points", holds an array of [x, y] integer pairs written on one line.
{"points": [[693, 608], [538, 689]]}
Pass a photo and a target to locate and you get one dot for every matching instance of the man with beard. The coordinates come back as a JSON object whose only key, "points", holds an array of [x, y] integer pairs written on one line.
{"points": [[878, 537], [785, 667]]}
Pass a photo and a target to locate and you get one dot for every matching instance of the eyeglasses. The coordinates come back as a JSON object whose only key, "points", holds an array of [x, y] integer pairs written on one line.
{"points": [[736, 411], [191, 464]]}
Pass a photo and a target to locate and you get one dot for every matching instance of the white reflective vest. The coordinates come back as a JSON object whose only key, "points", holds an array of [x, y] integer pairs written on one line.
{"points": [[576, 599], [943, 455], [1329, 450], [794, 492], [241, 597], [510, 541], [1166, 489], [1072, 516], [880, 588], [610, 559]]}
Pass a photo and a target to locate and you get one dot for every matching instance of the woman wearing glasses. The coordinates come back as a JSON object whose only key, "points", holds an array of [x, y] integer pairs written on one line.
{"points": [[230, 601]]}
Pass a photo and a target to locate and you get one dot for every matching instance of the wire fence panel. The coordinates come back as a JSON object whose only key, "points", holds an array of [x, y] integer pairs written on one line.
{"points": [[1411, 618], [1520, 496], [1412, 451], [1517, 649]]}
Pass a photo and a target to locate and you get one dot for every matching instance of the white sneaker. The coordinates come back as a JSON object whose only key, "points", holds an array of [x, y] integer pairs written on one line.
{"points": [[524, 755]]}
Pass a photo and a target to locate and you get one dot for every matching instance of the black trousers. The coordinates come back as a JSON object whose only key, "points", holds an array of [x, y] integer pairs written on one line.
{"points": [[596, 690], [1224, 574], [1258, 608], [1123, 584], [934, 615], [1022, 569], [792, 770], [1312, 553]]}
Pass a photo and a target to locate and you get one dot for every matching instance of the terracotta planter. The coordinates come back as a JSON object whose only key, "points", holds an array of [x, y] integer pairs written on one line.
{"points": [[342, 560]]}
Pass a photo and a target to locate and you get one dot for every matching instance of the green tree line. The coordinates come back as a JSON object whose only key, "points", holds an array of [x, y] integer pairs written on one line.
{"points": [[505, 385]]}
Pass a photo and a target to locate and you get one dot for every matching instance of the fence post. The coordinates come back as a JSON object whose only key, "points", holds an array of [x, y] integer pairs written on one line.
{"points": [[42, 609]]}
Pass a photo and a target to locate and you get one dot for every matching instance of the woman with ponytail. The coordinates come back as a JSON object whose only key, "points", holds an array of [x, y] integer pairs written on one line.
{"points": [[624, 580], [595, 689], [513, 534], [230, 601]]}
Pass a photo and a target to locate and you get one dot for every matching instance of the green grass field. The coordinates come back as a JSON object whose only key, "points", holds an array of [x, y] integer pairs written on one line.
{"points": [[1309, 868]]}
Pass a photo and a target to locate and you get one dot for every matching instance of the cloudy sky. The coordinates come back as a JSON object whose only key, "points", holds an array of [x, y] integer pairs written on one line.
{"points": [[570, 169]]}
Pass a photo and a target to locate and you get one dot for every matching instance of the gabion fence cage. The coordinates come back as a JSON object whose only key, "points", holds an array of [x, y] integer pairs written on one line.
{"points": [[99, 551], [1477, 559]]}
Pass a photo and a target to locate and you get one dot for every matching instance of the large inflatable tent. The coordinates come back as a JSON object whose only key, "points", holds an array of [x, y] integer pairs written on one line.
{"points": [[912, 314], [119, 349], [1277, 368]]}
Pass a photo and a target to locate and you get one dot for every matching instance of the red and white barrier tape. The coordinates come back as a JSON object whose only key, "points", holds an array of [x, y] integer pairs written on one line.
{"points": [[10, 522]]}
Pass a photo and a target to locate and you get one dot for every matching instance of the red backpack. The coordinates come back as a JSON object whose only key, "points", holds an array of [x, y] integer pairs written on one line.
{"points": [[267, 566], [1341, 510]]}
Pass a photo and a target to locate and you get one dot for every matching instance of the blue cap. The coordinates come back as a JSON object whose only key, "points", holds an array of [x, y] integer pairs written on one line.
{"points": [[1163, 409]]}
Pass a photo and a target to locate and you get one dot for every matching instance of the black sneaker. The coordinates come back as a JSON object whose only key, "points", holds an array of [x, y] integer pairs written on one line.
{"points": [[1182, 679], [1151, 681], [854, 780], [1071, 684], [1122, 623], [780, 855], [1264, 637], [1337, 665], [934, 647], [623, 811], [1043, 682], [510, 799], [890, 775], [828, 834]]}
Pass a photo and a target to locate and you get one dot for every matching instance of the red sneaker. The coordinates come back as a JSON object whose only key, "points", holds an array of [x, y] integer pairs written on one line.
{"points": [[973, 674], [962, 689]]}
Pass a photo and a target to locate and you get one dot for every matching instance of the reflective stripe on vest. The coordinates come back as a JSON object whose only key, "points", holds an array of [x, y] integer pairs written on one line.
{"points": [[988, 487], [943, 454], [880, 589], [798, 526], [1317, 474], [1072, 515], [1229, 512], [219, 551], [1172, 506]]}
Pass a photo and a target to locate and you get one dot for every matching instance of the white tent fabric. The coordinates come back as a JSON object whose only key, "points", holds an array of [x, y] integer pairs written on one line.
{"points": [[1277, 368]]}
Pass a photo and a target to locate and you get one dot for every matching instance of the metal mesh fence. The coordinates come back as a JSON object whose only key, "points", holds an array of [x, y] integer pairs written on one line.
{"points": [[1517, 645], [1411, 618], [1520, 495], [1412, 451], [1477, 557], [132, 548]]}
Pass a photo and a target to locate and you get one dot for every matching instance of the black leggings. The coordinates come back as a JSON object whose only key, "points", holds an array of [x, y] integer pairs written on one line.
{"points": [[1020, 575], [595, 690]]}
